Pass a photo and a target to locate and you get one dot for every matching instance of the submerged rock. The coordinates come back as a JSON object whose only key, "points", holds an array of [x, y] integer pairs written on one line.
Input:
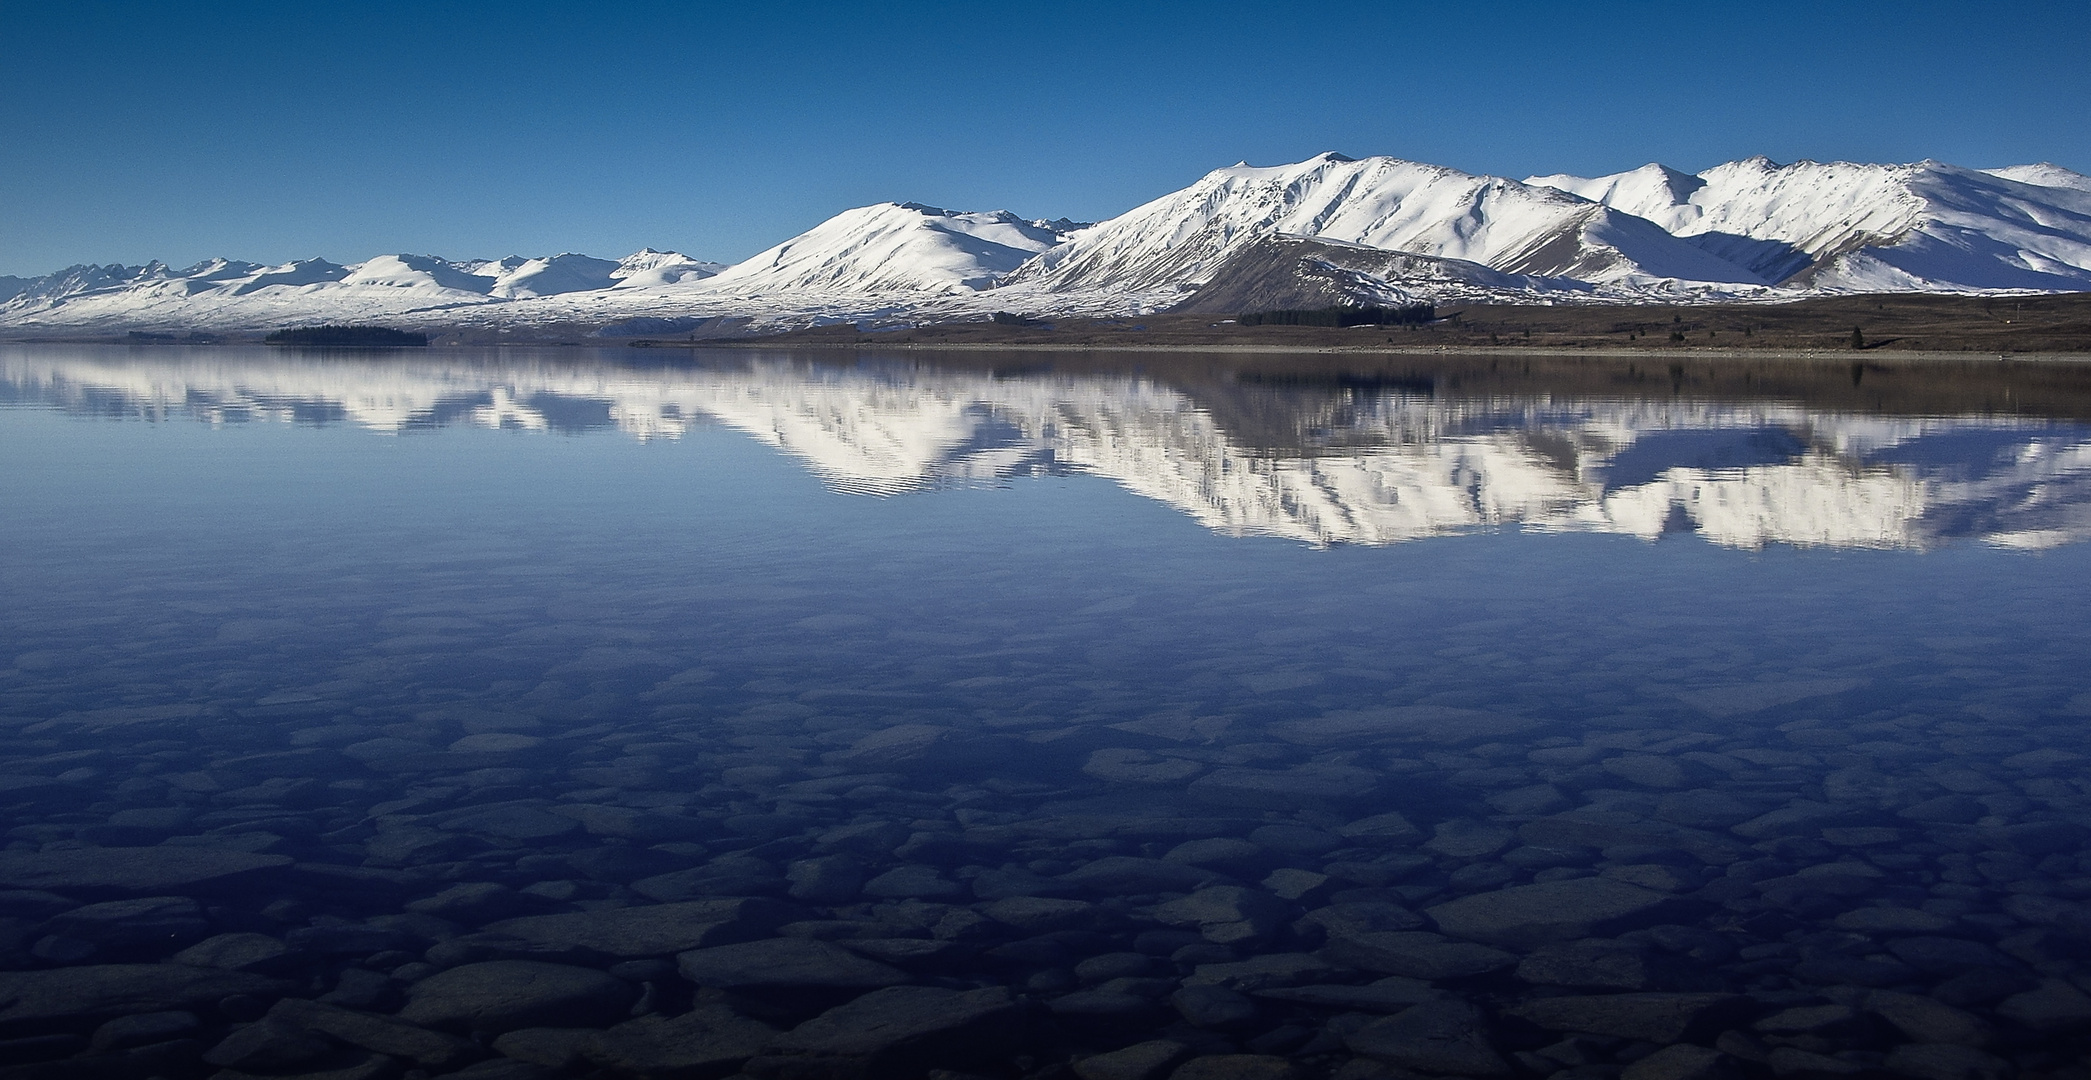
{"points": [[1683, 1062], [1946, 1061], [1306, 785], [1529, 915], [501, 995], [147, 928], [34, 1002], [144, 1029], [1209, 1006], [1597, 964], [1141, 1061], [907, 1030], [1237, 1067], [147, 871], [1653, 1017], [649, 930], [1125, 875], [1415, 954], [1388, 995], [1434, 1037], [271, 1047], [785, 962], [705, 1042], [379, 1034]]}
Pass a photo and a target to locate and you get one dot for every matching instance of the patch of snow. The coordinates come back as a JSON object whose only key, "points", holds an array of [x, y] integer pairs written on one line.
{"points": [[2044, 174]]}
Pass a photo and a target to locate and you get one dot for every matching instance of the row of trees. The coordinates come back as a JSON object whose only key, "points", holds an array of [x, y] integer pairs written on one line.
{"points": [[351, 336]]}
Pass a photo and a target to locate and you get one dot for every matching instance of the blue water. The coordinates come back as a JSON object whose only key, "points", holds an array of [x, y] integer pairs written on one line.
{"points": [[401, 613], [175, 561]]}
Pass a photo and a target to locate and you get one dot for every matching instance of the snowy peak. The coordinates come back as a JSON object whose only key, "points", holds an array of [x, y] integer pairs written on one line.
{"points": [[422, 273], [646, 268], [896, 247], [2044, 174], [516, 277], [1648, 192], [1175, 242], [294, 274], [218, 270], [1845, 226]]}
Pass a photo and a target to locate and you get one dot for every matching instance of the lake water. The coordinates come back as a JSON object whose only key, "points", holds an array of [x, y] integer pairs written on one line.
{"points": [[531, 713]]}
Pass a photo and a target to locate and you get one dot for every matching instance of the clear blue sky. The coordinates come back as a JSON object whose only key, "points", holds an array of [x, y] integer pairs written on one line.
{"points": [[275, 131]]}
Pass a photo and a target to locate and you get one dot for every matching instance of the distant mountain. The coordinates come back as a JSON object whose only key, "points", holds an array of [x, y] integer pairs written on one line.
{"points": [[1327, 230], [1870, 228], [898, 247], [226, 294]]}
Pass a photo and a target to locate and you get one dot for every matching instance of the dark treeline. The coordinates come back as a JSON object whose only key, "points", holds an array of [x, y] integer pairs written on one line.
{"points": [[360, 336], [1346, 315]]}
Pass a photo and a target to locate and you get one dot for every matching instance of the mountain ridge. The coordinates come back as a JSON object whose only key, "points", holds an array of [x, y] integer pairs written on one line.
{"points": [[1860, 227], [1744, 230]]}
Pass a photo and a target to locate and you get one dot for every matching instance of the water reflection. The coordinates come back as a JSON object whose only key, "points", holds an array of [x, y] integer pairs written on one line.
{"points": [[1326, 458]]}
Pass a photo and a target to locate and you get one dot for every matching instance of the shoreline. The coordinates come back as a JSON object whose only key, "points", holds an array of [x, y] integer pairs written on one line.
{"points": [[1551, 352]]}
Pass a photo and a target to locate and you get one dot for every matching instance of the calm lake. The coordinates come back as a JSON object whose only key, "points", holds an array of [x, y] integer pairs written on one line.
{"points": [[542, 712]]}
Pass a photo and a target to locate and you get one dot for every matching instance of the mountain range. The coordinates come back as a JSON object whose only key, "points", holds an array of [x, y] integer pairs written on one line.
{"points": [[1323, 231]]}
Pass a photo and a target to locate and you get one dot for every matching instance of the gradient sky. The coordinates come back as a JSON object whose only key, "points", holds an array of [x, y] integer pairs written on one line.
{"points": [[275, 131]]}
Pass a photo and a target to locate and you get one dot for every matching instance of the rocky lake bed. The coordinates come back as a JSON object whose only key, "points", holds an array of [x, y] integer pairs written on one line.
{"points": [[1425, 890], [349, 768]]}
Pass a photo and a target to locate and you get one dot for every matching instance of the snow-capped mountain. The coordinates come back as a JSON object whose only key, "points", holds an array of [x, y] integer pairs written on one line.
{"points": [[1847, 227], [222, 294], [898, 247], [1174, 243], [1323, 231]]}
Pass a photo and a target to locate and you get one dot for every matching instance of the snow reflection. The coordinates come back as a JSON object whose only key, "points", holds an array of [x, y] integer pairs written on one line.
{"points": [[1327, 464]]}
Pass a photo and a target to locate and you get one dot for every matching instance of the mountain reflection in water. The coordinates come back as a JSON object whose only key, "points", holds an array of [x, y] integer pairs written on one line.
{"points": [[1325, 460]]}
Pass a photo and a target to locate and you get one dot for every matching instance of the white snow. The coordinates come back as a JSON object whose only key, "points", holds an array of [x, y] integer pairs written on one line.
{"points": [[646, 267], [895, 247], [1846, 227], [1745, 229], [1173, 243], [2044, 174]]}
